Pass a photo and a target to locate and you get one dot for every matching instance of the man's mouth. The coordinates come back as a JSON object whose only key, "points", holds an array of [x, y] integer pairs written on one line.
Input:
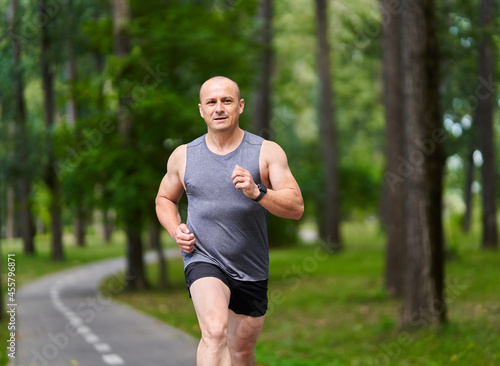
{"points": [[220, 118]]}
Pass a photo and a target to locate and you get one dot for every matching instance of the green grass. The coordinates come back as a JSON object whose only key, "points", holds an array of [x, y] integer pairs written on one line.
{"points": [[333, 310], [325, 310]]}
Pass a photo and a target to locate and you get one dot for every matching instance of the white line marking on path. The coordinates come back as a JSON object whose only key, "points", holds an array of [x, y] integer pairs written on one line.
{"points": [[81, 328], [102, 347], [112, 359], [91, 338]]}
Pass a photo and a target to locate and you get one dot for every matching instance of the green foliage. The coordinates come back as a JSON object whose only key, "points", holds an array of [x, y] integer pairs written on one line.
{"points": [[175, 46], [333, 310], [354, 39]]}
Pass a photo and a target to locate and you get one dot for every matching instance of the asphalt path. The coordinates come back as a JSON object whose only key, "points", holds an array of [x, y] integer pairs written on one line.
{"points": [[63, 320]]}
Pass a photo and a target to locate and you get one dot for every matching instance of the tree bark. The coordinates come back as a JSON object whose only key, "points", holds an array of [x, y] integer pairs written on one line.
{"points": [[80, 225], [107, 224], [424, 287], [469, 178], [136, 276], [72, 114], [262, 97], [330, 224], [394, 191], [155, 242], [10, 225], [27, 225], [485, 123], [50, 177]]}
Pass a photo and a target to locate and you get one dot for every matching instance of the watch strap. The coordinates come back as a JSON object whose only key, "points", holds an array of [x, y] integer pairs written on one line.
{"points": [[263, 191]]}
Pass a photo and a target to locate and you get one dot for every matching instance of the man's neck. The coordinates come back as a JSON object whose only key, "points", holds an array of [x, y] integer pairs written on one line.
{"points": [[224, 142]]}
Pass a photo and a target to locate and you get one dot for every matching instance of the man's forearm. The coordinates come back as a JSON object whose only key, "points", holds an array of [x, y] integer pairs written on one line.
{"points": [[168, 214], [285, 203]]}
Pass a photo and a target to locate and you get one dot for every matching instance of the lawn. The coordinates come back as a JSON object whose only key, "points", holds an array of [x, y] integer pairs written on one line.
{"points": [[333, 310], [327, 310]]}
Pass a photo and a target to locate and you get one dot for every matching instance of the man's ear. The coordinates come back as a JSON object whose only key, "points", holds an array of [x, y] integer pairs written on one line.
{"points": [[242, 105], [201, 110]]}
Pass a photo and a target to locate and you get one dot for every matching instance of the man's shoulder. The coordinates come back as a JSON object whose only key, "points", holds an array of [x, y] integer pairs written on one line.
{"points": [[271, 146], [271, 151], [253, 138], [178, 156]]}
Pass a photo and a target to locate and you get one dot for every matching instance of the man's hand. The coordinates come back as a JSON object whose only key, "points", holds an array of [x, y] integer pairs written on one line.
{"points": [[242, 179], [184, 238]]}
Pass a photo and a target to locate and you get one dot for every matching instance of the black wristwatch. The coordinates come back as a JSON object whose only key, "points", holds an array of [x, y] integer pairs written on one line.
{"points": [[263, 191]]}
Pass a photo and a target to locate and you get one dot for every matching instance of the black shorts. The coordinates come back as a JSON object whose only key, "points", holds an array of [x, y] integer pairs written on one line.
{"points": [[247, 297]]}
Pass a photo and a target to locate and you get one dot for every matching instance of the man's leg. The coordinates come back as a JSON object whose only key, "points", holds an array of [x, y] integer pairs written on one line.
{"points": [[211, 299], [242, 337]]}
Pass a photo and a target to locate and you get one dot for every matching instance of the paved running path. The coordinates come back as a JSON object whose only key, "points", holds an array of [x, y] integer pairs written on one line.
{"points": [[62, 320]]}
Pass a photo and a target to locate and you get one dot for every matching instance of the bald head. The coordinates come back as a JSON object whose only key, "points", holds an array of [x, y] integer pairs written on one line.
{"points": [[221, 80]]}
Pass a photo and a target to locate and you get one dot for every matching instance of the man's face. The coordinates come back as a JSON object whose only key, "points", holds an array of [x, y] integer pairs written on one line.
{"points": [[220, 105]]}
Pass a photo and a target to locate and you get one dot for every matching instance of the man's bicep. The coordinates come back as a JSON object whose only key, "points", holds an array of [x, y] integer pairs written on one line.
{"points": [[280, 175], [171, 186]]}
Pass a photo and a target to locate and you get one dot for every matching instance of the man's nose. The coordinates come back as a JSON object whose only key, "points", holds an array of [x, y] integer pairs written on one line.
{"points": [[219, 107]]}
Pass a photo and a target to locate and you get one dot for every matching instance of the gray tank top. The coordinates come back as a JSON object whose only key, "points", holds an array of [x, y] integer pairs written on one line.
{"points": [[230, 229]]}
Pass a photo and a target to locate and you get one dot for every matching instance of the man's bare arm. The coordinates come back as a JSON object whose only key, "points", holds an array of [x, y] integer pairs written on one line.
{"points": [[169, 194], [283, 197]]}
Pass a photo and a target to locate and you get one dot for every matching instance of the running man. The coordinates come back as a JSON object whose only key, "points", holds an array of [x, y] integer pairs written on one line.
{"points": [[232, 178]]}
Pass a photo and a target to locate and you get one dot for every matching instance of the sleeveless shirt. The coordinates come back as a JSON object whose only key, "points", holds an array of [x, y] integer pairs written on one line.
{"points": [[230, 229]]}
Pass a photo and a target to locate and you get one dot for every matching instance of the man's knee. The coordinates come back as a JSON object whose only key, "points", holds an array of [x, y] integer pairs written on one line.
{"points": [[215, 332], [242, 347], [242, 353]]}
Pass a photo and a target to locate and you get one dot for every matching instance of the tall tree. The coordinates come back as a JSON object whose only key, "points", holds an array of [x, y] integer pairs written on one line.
{"points": [[132, 216], [73, 111], [262, 97], [27, 225], [393, 204], [484, 115], [330, 224], [424, 287], [51, 179]]}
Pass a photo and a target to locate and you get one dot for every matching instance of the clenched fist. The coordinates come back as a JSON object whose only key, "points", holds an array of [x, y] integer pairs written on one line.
{"points": [[242, 179], [184, 238]]}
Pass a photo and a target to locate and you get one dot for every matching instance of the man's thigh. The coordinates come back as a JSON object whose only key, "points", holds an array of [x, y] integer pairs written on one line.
{"points": [[211, 300], [243, 331]]}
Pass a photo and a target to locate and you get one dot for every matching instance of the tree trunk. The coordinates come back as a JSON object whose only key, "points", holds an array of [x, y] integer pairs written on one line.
{"points": [[27, 220], [424, 156], [262, 98], [107, 224], [72, 114], [50, 177], [469, 178], [27, 225], [394, 191], [155, 242], [135, 274], [71, 104], [485, 125], [10, 225], [136, 279], [330, 225], [80, 226]]}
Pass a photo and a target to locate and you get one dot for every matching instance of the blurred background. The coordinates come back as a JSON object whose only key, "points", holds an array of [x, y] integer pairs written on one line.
{"points": [[387, 111]]}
